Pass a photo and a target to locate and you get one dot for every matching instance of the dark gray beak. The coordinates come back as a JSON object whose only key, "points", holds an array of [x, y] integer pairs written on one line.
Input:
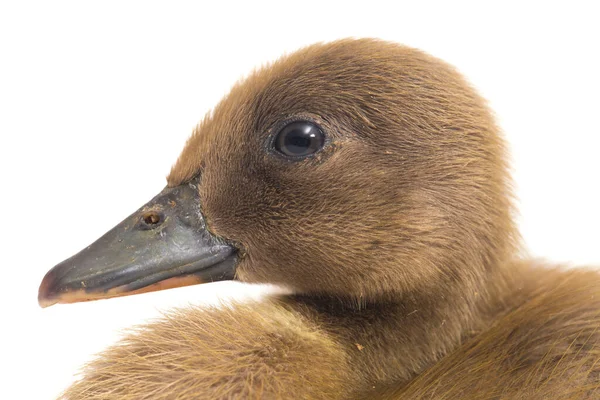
{"points": [[162, 245]]}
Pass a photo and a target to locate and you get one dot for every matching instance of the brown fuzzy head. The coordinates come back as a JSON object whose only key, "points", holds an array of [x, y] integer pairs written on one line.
{"points": [[410, 191]]}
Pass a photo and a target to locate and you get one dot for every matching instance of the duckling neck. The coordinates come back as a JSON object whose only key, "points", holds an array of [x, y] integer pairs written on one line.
{"points": [[393, 341]]}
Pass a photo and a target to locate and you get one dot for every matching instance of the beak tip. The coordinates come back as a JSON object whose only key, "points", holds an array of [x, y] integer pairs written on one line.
{"points": [[46, 295]]}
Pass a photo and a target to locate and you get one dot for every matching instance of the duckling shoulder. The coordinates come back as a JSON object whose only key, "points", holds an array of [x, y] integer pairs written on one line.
{"points": [[257, 350], [548, 347]]}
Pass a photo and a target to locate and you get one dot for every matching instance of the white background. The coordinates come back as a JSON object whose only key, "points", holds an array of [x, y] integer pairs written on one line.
{"points": [[96, 102]]}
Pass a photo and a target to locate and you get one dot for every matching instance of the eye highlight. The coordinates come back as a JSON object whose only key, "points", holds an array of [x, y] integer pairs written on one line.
{"points": [[299, 139]]}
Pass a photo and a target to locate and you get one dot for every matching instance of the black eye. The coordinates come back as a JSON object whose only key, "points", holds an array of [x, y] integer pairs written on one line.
{"points": [[299, 139]]}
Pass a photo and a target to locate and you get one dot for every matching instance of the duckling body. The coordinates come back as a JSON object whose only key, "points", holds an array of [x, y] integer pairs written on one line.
{"points": [[388, 216], [538, 341]]}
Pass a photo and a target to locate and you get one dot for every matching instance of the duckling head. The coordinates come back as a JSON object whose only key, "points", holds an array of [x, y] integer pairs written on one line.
{"points": [[357, 169]]}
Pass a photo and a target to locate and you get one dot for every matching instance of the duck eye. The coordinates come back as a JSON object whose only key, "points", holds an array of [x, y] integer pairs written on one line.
{"points": [[299, 139]]}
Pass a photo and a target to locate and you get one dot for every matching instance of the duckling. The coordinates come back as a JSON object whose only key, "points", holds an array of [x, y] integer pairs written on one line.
{"points": [[370, 180]]}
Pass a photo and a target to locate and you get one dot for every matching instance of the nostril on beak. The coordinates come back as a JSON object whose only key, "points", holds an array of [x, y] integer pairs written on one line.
{"points": [[152, 219]]}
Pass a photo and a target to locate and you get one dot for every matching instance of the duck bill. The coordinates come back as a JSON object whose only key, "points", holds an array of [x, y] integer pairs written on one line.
{"points": [[164, 244]]}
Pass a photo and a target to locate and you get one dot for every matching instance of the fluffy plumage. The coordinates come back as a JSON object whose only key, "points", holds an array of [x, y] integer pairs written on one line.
{"points": [[397, 239]]}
